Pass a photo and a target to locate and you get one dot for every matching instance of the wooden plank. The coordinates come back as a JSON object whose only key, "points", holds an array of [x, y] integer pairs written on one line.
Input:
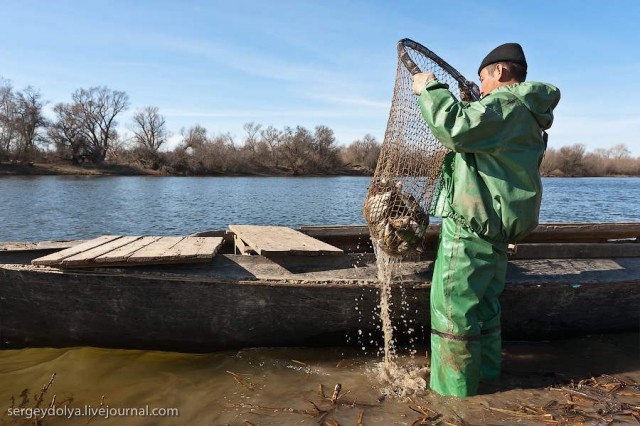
{"points": [[185, 250], [545, 232], [583, 232], [335, 231], [188, 247], [267, 240], [58, 245], [55, 258], [123, 253], [133, 251], [214, 233], [86, 258], [242, 247], [209, 247], [575, 250], [42, 245], [154, 250], [192, 248]]}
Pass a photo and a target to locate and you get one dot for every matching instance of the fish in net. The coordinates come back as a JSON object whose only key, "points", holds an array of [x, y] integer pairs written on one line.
{"points": [[409, 166]]}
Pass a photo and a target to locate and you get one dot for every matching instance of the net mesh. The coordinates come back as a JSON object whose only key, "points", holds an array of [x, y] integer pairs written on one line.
{"points": [[409, 166]]}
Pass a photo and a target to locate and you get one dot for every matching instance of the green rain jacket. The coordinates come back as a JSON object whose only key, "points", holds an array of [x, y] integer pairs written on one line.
{"points": [[491, 183]]}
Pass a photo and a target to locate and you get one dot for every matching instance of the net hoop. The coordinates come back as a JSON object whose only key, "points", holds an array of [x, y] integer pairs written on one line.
{"points": [[405, 57], [408, 175]]}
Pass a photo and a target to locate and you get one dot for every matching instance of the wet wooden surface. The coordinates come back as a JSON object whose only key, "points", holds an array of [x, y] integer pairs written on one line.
{"points": [[278, 240]]}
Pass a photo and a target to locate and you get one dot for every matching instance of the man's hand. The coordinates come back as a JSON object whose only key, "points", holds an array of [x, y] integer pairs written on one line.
{"points": [[420, 80], [466, 89], [465, 93]]}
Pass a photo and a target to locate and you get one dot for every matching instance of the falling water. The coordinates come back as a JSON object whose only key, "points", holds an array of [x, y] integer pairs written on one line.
{"points": [[398, 380], [387, 268]]}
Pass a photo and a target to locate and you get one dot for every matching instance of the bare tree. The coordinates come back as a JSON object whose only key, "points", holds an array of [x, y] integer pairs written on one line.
{"points": [[66, 132], [194, 136], [199, 154], [251, 140], [326, 153], [220, 155], [573, 160], [98, 108], [551, 163], [7, 117], [149, 129], [120, 150], [619, 152], [297, 149], [363, 153], [29, 118], [272, 137]]}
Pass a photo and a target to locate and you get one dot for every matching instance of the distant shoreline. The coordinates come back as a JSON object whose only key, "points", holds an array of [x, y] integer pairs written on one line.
{"points": [[48, 169], [54, 169]]}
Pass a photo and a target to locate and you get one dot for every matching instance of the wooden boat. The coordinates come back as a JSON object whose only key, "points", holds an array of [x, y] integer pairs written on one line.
{"points": [[565, 279]]}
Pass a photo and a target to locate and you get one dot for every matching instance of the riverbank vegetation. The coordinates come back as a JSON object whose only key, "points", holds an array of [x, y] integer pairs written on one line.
{"points": [[83, 137]]}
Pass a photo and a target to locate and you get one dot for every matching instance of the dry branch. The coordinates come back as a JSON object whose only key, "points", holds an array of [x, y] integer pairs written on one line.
{"points": [[241, 380]]}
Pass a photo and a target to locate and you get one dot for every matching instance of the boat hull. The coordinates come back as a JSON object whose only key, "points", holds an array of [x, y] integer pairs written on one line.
{"points": [[248, 301]]}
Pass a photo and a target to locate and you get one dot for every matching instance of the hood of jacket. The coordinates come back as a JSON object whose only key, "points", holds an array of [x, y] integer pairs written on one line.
{"points": [[539, 98]]}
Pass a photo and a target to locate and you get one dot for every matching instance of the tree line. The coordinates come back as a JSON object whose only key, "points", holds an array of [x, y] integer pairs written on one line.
{"points": [[574, 160], [262, 150], [85, 131]]}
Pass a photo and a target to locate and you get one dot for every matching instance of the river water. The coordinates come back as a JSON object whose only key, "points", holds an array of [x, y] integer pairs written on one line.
{"points": [[62, 207], [270, 386]]}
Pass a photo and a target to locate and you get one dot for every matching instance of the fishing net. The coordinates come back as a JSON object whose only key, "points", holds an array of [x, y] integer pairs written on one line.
{"points": [[409, 166]]}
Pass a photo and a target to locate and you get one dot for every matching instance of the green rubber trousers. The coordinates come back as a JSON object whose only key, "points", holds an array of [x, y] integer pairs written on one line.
{"points": [[469, 275]]}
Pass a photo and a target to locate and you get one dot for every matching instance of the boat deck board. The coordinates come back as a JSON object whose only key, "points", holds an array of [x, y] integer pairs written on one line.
{"points": [[281, 240], [54, 259], [113, 250], [123, 253], [156, 249], [360, 270], [88, 255]]}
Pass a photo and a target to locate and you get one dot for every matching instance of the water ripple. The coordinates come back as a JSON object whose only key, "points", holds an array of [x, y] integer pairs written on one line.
{"points": [[62, 207]]}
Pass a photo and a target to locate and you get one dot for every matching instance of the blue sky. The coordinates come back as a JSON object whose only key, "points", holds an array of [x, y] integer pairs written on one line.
{"points": [[287, 63]]}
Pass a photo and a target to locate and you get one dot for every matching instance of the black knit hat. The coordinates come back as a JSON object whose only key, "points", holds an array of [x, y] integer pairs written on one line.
{"points": [[508, 52]]}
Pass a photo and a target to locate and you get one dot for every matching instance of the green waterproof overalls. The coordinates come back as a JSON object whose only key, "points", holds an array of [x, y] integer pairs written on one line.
{"points": [[489, 195]]}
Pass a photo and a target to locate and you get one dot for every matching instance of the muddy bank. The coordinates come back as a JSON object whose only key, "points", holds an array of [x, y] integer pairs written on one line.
{"points": [[48, 169], [591, 380], [28, 169]]}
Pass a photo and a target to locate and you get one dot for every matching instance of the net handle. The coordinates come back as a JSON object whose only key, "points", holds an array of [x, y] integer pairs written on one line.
{"points": [[413, 68]]}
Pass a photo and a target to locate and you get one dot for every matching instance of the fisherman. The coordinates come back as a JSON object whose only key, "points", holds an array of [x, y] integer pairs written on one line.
{"points": [[490, 196]]}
